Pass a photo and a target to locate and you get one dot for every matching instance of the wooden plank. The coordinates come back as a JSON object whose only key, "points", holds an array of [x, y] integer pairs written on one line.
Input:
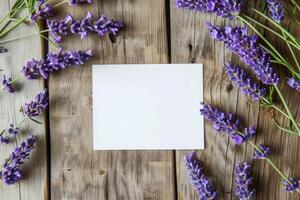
{"points": [[78, 172], [191, 43], [34, 185]]}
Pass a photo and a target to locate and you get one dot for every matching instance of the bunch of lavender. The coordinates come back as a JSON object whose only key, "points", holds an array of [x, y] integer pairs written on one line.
{"points": [[248, 49], [224, 120], [244, 81], [54, 62], [11, 172], [223, 8], [243, 181], [82, 27], [198, 179], [258, 59]]}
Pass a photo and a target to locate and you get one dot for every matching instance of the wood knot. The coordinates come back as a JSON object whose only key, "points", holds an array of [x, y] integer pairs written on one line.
{"points": [[101, 171], [229, 87]]}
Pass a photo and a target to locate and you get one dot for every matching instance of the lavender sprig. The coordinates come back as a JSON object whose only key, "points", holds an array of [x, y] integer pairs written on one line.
{"points": [[243, 181], [226, 122], [82, 27], [55, 62], [223, 8], [275, 10], [217, 116], [244, 81], [198, 179], [11, 172], [247, 48]]}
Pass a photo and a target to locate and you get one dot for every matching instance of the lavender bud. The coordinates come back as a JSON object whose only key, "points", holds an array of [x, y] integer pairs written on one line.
{"points": [[197, 177], [243, 80], [243, 181], [77, 2], [35, 108], [294, 83], [7, 85], [275, 10], [262, 153], [291, 185], [42, 13]]}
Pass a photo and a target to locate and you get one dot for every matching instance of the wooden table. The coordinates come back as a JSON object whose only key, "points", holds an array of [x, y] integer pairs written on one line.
{"points": [[64, 166]]}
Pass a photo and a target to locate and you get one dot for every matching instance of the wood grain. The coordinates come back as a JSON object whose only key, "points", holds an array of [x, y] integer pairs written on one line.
{"points": [[78, 172], [34, 185], [190, 43]]}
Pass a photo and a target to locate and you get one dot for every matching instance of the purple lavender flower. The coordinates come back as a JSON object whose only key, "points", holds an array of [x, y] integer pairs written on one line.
{"points": [[276, 10], [54, 62], [226, 122], [294, 83], [11, 172], [36, 107], [58, 28], [198, 179], [223, 8], [13, 130], [262, 153], [82, 27], [243, 181], [247, 48], [77, 2], [7, 85], [7, 135], [42, 13], [291, 185], [243, 80]]}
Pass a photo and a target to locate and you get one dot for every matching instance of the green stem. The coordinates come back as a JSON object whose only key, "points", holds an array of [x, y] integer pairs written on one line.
{"points": [[293, 54], [11, 11], [22, 36], [284, 129], [278, 26], [271, 30], [13, 26], [287, 109]]}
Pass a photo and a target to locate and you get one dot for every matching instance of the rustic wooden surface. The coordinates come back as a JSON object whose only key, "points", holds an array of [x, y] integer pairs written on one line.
{"points": [[35, 171], [155, 32]]}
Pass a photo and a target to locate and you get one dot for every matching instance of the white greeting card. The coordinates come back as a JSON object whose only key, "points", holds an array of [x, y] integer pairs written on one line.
{"points": [[147, 106]]}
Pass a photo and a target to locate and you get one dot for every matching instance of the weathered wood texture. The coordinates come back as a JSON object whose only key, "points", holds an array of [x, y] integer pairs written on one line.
{"points": [[34, 185], [155, 32], [78, 172], [191, 43]]}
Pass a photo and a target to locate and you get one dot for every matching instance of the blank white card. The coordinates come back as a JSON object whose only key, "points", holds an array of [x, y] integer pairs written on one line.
{"points": [[152, 106]]}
